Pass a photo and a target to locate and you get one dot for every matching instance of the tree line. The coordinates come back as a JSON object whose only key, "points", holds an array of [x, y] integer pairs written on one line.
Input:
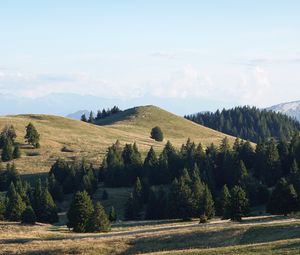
{"points": [[249, 175], [101, 114], [249, 123]]}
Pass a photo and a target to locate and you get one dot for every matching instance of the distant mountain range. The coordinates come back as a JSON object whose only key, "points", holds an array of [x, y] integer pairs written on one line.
{"points": [[77, 115], [65, 103], [291, 109]]}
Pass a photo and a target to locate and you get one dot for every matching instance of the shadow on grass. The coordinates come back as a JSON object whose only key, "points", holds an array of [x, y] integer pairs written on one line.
{"points": [[183, 241], [261, 234]]}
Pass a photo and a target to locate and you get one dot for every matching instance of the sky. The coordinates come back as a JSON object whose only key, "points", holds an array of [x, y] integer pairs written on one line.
{"points": [[209, 54]]}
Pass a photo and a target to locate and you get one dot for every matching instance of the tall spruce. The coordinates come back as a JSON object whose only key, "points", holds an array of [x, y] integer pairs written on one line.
{"points": [[238, 203], [112, 216], [99, 221], [207, 208], [15, 205], [224, 203], [284, 198], [7, 151], [80, 212]]}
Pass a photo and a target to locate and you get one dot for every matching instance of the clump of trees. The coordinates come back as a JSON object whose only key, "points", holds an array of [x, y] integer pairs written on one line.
{"points": [[249, 123], [25, 203], [10, 149], [83, 216], [68, 177], [101, 114], [157, 134], [32, 136]]}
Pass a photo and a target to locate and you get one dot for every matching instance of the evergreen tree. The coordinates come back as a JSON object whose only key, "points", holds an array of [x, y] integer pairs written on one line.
{"points": [[241, 173], [8, 132], [138, 191], [112, 214], [99, 221], [238, 203], [2, 209], [83, 118], [17, 151], [157, 134], [157, 205], [91, 118], [28, 216], [197, 188], [7, 151], [132, 209], [283, 199], [32, 136], [43, 204], [15, 205], [150, 167], [55, 188], [224, 203], [80, 211], [207, 204]]}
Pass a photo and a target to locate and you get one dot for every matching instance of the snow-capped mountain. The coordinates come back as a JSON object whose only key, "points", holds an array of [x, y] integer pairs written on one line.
{"points": [[291, 109]]}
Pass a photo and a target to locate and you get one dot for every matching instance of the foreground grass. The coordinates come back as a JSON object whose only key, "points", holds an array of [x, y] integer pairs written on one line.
{"points": [[267, 236]]}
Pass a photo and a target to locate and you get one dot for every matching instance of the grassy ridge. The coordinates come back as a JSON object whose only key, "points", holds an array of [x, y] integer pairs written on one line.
{"points": [[91, 141]]}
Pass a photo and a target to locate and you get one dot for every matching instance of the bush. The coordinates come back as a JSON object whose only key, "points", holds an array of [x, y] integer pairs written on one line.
{"points": [[28, 216], [157, 134], [203, 219]]}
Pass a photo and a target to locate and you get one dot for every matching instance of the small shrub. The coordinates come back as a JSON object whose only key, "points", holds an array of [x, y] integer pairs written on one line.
{"points": [[203, 219], [157, 134], [33, 153]]}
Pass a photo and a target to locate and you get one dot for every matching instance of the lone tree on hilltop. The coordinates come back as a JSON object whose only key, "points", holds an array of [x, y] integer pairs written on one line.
{"points": [[32, 136], [157, 134]]}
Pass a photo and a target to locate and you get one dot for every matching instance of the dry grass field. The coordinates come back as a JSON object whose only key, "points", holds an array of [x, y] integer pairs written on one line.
{"points": [[91, 141], [265, 235]]}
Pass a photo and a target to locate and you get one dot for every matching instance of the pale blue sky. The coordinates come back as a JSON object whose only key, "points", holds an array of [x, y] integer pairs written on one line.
{"points": [[208, 53]]}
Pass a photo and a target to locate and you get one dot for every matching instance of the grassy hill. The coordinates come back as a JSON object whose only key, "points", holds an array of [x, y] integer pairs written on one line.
{"points": [[91, 141]]}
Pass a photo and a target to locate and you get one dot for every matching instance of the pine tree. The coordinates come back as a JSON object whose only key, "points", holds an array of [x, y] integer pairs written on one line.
{"points": [[83, 118], [132, 209], [32, 136], [43, 204], [151, 166], [238, 203], [99, 221], [15, 205], [138, 191], [157, 134], [28, 216], [224, 203], [2, 209], [55, 188], [7, 151], [17, 151], [112, 214], [283, 199], [207, 204], [80, 211], [8, 132], [91, 118], [241, 173]]}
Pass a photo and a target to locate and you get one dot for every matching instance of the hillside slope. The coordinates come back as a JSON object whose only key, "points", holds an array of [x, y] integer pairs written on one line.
{"points": [[91, 141]]}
